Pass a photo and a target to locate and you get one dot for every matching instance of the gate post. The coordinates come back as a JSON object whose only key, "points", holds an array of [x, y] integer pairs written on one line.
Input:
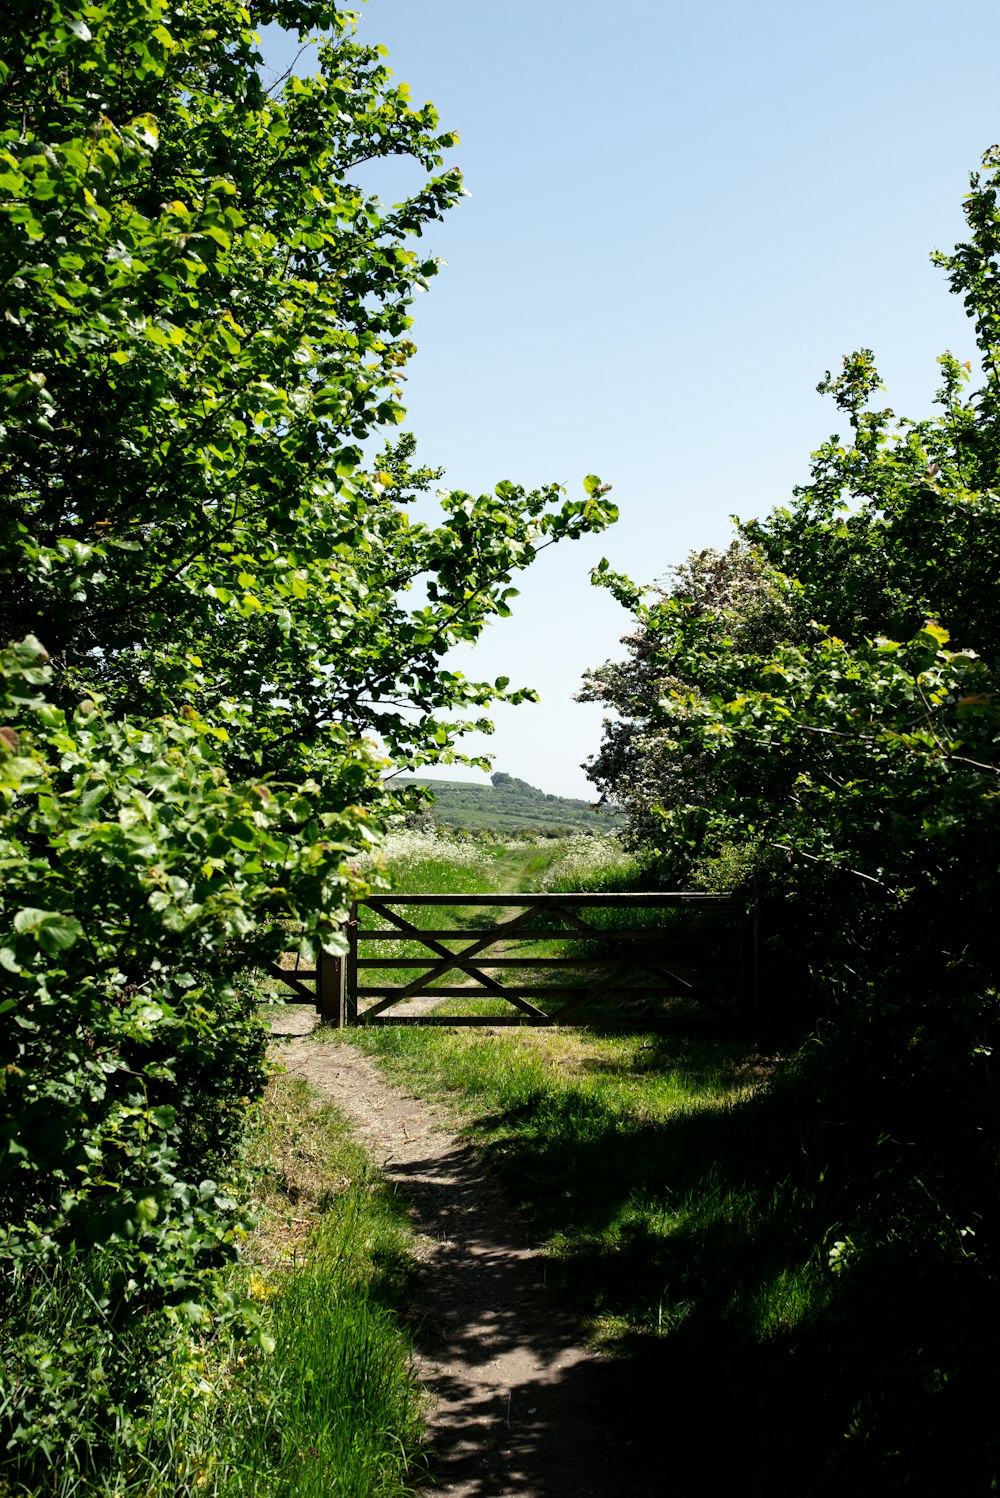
{"points": [[330, 988], [351, 968], [750, 975]]}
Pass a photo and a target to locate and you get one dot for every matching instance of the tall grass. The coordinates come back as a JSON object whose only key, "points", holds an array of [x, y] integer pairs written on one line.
{"points": [[431, 863], [438, 863], [67, 1368], [330, 1408], [323, 1401], [595, 864]]}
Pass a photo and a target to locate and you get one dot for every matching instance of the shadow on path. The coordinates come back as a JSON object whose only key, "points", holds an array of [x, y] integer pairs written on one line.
{"points": [[520, 1407]]}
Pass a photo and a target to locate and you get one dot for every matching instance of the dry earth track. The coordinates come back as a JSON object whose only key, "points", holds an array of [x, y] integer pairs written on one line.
{"points": [[520, 1409]]}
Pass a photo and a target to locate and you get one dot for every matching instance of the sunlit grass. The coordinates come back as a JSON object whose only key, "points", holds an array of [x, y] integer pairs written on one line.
{"points": [[323, 1401], [598, 864], [582, 1127]]}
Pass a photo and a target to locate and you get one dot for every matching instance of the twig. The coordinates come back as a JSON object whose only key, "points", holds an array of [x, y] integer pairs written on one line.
{"points": [[800, 852]]}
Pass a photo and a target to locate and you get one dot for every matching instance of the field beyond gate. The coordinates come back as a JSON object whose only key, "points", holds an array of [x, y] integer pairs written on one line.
{"points": [[546, 959]]}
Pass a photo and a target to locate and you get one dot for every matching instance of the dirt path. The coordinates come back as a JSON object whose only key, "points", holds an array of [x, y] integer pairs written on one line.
{"points": [[521, 1410]]}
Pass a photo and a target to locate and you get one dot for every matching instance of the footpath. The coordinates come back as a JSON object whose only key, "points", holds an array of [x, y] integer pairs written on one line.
{"points": [[519, 1408]]}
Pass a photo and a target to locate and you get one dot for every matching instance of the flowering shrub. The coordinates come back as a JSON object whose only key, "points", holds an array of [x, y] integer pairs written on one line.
{"points": [[428, 862], [591, 863]]}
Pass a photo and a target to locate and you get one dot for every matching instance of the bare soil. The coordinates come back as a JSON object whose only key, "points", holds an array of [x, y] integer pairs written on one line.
{"points": [[519, 1407]]}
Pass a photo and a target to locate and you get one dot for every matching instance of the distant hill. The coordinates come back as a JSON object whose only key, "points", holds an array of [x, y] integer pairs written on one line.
{"points": [[511, 805]]}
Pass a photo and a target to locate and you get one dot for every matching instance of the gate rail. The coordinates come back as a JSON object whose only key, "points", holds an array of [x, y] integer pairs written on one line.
{"points": [[337, 991], [622, 954]]}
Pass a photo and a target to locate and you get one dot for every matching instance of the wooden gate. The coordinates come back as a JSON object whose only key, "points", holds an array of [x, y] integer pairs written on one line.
{"points": [[321, 986], [615, 965]]}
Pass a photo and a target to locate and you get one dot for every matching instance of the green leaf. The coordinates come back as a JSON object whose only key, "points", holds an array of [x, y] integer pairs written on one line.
{"points": [[52, 931]]}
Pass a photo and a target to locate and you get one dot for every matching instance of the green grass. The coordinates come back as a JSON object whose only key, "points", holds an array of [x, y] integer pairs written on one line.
{"points": [[647, 1167], [432, 863], [327, 1402], [778, 1299], [678, 1203], [609, 1142], [334, 1408]]}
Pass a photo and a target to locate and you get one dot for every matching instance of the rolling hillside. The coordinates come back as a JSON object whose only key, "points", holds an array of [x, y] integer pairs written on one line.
{"points": [[511, 805]]}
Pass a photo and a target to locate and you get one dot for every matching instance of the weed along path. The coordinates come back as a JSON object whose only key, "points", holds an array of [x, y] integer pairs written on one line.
{"points": [[520, 1409]]}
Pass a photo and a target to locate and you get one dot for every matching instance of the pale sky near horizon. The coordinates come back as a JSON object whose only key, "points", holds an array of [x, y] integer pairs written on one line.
{"points": [[679, 217]]}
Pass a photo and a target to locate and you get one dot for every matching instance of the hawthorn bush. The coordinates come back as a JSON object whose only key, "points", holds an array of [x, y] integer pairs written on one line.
{"points": [[813, 720], [823, 696]]}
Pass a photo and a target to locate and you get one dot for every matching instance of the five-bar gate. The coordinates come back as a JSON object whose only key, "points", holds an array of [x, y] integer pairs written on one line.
{"points": [[544, 959]]}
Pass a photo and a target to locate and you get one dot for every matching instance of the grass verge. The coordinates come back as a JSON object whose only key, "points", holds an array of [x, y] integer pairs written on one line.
{"points": [[322, 1400], [329, 1404]]}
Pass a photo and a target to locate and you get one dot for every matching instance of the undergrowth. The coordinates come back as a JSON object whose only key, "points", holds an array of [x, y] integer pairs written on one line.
{"points": [[323, 1401]]}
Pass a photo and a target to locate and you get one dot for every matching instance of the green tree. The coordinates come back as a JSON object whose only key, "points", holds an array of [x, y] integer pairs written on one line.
{"points": [[206, 586], [814, 717], [824, 692], [205, 320]]}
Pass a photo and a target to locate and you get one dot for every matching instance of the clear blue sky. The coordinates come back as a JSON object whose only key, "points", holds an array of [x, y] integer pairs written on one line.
{"points": [[679, 217]]}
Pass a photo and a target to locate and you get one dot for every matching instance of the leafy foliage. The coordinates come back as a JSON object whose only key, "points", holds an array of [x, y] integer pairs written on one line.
{"points": [[139, 880], [724, 600], [819, 729], [205, 317], [204, 326], [823, 696]]}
